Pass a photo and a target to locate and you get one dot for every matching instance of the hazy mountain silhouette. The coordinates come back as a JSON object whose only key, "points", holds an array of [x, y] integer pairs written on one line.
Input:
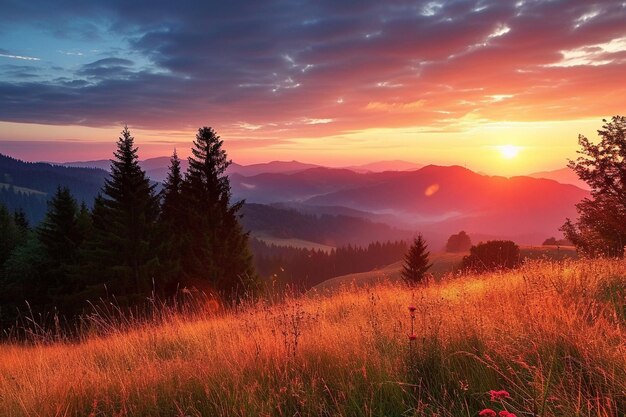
{"points": [[327, 229], [19, 179], [302, 185], [157, 168], [382, 166], [455, 198], [563, 175], [437, 200]]}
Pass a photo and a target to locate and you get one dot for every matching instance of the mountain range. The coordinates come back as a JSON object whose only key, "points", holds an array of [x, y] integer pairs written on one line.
{"points": [[157, 168], [435, 200]]}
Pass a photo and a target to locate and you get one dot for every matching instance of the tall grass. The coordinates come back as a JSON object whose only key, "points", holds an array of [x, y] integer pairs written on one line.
{"points": [[550, 334]]}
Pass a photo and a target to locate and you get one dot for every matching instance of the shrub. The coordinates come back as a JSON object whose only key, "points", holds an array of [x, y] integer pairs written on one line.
{"points": [[492, 255]]}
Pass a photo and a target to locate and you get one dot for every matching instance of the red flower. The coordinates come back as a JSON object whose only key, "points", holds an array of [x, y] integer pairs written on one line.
{"points": [[499, 395], [412, 336], [412, 308], [487, 412], [506, 414]]}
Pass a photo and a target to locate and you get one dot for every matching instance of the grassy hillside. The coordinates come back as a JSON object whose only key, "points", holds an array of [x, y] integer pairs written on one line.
{"points": [[443, 263], [550, 334]]}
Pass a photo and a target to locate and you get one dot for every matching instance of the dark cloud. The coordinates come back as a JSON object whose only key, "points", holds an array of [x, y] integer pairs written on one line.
{"points": [[276, 63], [108, 68]]}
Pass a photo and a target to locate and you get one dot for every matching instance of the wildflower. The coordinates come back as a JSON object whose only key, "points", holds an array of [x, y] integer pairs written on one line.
{"points": [[487, 412], [505, 413], [499, 395], [412, 336], [412, 308]]}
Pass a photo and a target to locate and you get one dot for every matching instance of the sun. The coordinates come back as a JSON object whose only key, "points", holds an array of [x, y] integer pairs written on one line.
{"points": [[509, 151]]}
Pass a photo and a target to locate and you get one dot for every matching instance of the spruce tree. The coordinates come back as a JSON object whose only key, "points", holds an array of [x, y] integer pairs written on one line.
{"points": [[170, 225], [122, 251], [216, 253], [171, 205], [416, 262], [9, 232], [59, 231], [61, 235]]}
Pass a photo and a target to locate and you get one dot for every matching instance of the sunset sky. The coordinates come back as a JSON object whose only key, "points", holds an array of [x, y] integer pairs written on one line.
{"points": [[498, 86]]}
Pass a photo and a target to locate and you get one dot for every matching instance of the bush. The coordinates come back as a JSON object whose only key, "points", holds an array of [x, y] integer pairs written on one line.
{"points": [[460, 242], [492, 255], [552, 241]]}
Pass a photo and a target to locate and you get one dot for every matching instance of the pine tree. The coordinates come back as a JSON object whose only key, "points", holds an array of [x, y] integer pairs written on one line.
{"points": [[171, 205], [61, 235], [171, 223], [216, 249], [9, 232], [21, 221], [416, 262], [122, 251]]}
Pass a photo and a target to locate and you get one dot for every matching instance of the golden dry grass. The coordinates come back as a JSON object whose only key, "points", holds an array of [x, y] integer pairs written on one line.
{"points": [[549, 333]]}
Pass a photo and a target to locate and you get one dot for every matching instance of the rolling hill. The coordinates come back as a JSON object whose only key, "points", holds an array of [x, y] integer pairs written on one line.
{"points": [[28, 185], [453, 198], [443, 263], [563, 175], [157, 168]]}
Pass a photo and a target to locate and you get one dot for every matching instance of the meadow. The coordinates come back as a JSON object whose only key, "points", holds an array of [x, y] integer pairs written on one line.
{"points": [[550, 334]]}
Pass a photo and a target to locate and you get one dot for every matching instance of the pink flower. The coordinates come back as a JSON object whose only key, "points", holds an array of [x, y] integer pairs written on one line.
{"points": [[487, 412], [412, 308], [412, 336], [499, 395], [506, 414]]}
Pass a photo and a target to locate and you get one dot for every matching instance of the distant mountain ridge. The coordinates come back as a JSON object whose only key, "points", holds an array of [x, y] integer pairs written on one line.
{"points": [[562, 175], [437, 200], [157, 168], [44, 178]]}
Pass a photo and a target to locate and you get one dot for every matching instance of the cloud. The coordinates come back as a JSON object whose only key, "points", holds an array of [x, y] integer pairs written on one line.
{"points": [[366, 63], [6, 54], [107, 68]]}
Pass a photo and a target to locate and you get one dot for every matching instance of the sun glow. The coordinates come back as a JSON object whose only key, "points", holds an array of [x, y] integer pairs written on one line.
{"points": [[509, 151]]}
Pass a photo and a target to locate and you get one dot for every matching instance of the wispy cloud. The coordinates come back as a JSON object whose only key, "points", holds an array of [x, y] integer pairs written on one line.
{"points": [[24, 58]]}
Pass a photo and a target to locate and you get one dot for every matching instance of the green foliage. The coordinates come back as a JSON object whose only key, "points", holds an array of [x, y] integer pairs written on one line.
{"points": [[133, 242], [121, 252], [171, 222], [492, 255], [416, 262], [601, 226], [61, 235], [24, 283], [460, 242], [9, 232], [215, 247]]}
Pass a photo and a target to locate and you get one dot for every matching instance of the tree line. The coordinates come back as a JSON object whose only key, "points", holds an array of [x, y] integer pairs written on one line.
{"points": [[304, 268], [135, 242]]}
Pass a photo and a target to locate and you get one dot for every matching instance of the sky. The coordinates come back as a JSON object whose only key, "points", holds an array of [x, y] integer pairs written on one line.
{"points": [[498, 86]]}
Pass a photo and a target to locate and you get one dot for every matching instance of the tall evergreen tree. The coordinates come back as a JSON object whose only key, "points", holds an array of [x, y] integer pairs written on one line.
{"points": [[61, 235], [216, 249], [171, 224], [9, 232], [416, 262], [122, 251], [171, 205]]}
